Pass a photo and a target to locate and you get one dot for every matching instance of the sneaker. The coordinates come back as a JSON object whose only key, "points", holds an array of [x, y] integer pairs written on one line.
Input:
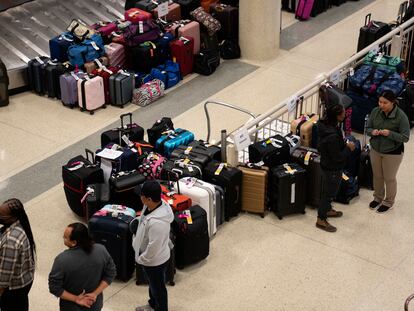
{"points": [[144, 308], [334, 214], [374, 204], [383, 208], [324, 225]]}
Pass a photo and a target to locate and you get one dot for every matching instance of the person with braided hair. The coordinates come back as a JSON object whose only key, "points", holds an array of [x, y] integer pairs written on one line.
{"points": [[17, 257]]}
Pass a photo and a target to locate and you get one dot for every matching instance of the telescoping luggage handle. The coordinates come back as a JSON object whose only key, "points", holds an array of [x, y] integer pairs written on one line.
{"points": [[122, 116], [365, 130], [407, 302], [367, 19], [90, 153]]}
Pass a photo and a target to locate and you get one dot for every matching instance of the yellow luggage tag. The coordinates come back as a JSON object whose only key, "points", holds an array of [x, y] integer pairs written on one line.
{"points": [[344, 177], [220, 168], [289, 169], [186, 161], [189, 218], [307, 157], [188, 150]]}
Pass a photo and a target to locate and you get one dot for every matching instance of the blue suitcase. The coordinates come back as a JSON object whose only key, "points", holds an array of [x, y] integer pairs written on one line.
{"points": [[171, 140], [59, 46], [127, 161]]}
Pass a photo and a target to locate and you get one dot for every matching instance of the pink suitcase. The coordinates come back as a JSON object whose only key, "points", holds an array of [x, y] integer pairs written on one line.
{"points": [[174, 12], [91, 94], [135, 15], [187, 28], [116, 54], [304, 9]]}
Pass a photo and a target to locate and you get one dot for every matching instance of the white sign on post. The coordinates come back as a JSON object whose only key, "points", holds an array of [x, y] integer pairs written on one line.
{"points": [[335, 77], [163, 9], [242, 139], [291, 105]]}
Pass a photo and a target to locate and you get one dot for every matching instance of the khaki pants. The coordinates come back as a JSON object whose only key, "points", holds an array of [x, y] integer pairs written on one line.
{"points": [[384, 169]]}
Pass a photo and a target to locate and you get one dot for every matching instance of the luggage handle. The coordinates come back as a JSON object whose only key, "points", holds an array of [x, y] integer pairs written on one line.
{"points": [[365, 130], [367, 19], [299, 103], [122, 116], [90, 153]]}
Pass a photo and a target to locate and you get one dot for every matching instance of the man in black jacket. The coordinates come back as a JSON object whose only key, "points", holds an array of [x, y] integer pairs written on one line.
{"points": [[334, 152]]}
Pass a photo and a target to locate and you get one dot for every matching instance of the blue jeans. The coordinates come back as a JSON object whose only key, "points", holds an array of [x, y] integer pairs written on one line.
{"points": [[331, 180], [157, 289]]}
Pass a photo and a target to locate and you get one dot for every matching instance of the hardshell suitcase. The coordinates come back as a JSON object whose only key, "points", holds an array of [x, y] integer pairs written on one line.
{"points": [[303, 127], [230, 179], [310, 160], [98, 196], [272, 151], [182, 52], [69, 88], [110, 227], [187, 28], [192, 242], [187, 6], [121, 86], [106, 73], [135, 15], [228, 16], [36, 74], [116, 54], [122, 189], [288, 189], [133, 132], [158, 128], [371, 32], [304, 9], [169, 141], [91, 94], [53, 71], [175, 199], [202, 194], [254, 184], [76, 175]]}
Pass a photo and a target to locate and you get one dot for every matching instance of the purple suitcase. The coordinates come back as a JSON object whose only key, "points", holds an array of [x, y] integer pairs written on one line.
{"points": [[304, 9], [69, 88]]}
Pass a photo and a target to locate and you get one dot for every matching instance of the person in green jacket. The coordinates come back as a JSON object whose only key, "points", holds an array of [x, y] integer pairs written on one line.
{"points": [[389, 129]]}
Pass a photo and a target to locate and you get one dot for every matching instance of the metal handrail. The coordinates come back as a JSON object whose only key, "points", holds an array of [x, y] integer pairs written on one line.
{"points": [[407, 302], [224, 105]]}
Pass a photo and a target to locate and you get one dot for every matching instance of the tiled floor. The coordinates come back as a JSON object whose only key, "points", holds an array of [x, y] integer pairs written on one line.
{"points": [[254, 263]]}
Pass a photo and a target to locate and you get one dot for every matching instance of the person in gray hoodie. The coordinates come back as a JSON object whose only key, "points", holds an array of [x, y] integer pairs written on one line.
{"points": [[152, 243]]}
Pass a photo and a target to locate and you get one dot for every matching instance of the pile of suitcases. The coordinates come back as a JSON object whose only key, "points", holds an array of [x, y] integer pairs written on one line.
{"points": [[136, 58]]}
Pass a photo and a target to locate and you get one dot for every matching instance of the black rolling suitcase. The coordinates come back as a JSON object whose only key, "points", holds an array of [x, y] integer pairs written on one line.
{"points": [[406, 102], [310, 160], [36, 74], [201, 147], [98, 197], [365, 176], [228, 16], [133, 131], [180, 168], [77, 174], [53, 71], [110, 227], [288, 5], [122, 189], [181, 153], [159, 127], [352, 162], [287, 189], [4, 85], [187, 6], [230, 179], [272, 151], [192, 242], [371, 32]]}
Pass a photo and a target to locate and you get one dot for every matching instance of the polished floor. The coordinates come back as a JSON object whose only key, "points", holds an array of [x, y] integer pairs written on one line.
{"points": [[254, 263]]}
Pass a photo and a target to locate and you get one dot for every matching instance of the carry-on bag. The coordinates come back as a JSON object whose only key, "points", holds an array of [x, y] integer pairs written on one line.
{"points": [[211, 24], [125, 159], [96, 63], [304, 9], [91, 94], [206, 62], [36, 73], [105, 29], [353, 160], [148, 93], [135, 15], [59, 45], [168, 73], [158, 128], [198, 148], [406, 102], [121, 86], [254, 184], [175, 199], [229, 49], [171, 140], [69, 88], [206, 4], [210, 42], [348, 189], [143, 149], [228, 16], [86, 51], [146, 56], [303, 127], [106, 73], [136, 34], [174, 12], [365, 176], [4, 85], [80, 30], [230, 179], [272, 151], [287, 189], [187, 28], [122, 188], [184, 153], [151, 166], [192, 241], [53, 71], [187, 6], [98, 195], [116, 54], [76, 175], [162, 44], [181, 168], [182, 52], [310, 160], [371, 32], [133, 132], [110, 227]]}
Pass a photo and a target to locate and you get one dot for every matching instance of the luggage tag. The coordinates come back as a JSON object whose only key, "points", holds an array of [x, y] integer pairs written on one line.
{"points": [[189, 218], [378, 58], [74, 76], [220, 168], [289, 169], [190, 182], [141, 26], [89, 191], [87, 78], [39, 60], [351, 72], [113, 33], [128, 142], [95, 46], [345, 177], [307, 157], [77, 166], [125, 73], [188, 150]]}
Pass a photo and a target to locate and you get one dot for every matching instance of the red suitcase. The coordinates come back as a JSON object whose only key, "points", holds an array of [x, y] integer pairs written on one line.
{"points": [[178, 202], [135, 15], [182, 53], [105, 73], [187, 28]]}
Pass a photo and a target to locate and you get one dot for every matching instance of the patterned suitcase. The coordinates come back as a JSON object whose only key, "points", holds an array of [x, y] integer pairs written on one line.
{"points": [[182, 52], [91, 94]]}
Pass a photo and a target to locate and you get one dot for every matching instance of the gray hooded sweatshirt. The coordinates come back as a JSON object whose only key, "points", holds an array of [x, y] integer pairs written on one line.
{"points": [[152, 239]]}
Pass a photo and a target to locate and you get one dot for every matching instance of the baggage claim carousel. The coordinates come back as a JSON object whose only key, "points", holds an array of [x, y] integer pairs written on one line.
{"points": [[25, 29]]}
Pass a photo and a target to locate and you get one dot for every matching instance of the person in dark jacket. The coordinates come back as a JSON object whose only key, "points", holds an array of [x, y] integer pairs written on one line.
{"points": [[81, 273], [334, 152], [389, 129]]}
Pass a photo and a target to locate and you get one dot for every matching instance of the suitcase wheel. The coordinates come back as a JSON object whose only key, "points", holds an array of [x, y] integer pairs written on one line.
{"points": [[303, 212], [171, 283], [262, 215], [280, 217], [82, 109], [104, 106], [91, 112]]}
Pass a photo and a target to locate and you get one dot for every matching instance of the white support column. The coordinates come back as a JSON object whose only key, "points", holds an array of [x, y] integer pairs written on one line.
{"points": [[259, 23]]}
